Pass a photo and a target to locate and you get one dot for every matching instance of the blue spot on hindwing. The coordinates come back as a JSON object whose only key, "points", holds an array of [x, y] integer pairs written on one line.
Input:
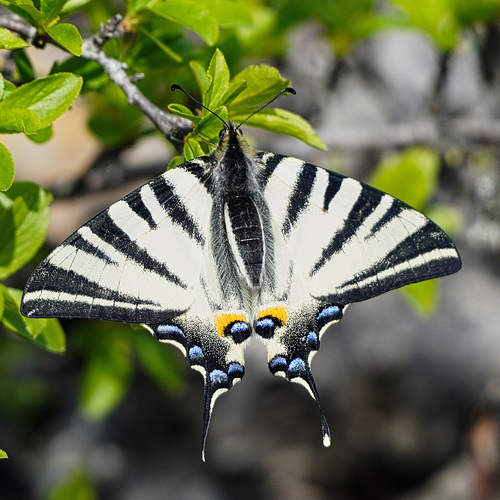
{"points": [[312, 341], [195, 354], [265, 323], [296, 367], [218, 377], [265, 327], [235, 370], [278, 364], [328, 314], [239, 331], [169, 332]]}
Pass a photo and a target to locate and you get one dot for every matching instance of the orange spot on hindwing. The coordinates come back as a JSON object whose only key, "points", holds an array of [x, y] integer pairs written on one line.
{"points": [[278, 312], [270, 318], [233, 325]]}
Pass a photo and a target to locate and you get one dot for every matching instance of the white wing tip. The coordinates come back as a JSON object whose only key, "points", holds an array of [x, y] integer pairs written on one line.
{"points": [[327, 440]]}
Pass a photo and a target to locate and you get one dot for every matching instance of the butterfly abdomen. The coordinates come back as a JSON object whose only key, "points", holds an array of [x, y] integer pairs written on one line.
{"points": [[245, 236]]}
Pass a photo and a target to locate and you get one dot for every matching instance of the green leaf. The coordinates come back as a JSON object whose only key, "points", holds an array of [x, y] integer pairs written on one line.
{"points": [[93, 74], [410, 176], [190, 14], [284, 122], [449, 219], [107, 372], [192, 148], [160, 362], [48, 97], [3, 454], [43, 135], [210, 125], [229, 13], [175, 162], [468, 12], [2, 87], [201, 76], [218, 74], [24, 66], [234, 90], [435, 18], [7, 169], [24, 219], [46, 333], [184, 112], [9, 41], [263, 83], [162, 46], [8, 87], [16, 120], [67, 36], [77, 486], [51, 8], [2, 304], [423, 296], [26, 10]]}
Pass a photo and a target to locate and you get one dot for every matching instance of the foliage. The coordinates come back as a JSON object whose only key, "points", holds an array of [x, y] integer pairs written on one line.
{"points": [[77, 486]]}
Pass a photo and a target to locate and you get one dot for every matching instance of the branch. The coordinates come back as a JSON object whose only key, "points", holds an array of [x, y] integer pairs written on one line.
{"points": [[172, 127]]}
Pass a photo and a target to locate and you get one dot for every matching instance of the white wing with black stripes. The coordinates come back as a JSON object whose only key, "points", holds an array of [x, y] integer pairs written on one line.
{"points": [[344, 242], [236, 243]]}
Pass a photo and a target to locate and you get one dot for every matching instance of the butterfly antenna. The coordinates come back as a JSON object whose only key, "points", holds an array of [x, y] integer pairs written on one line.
{"points": [[178, 87], [287, 89]]}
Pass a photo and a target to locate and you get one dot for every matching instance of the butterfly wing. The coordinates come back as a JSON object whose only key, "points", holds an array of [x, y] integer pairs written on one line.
{"points": [[137, 261], [342, 241], [154, 258]]}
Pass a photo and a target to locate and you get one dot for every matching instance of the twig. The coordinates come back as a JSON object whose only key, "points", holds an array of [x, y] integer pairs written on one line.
{"points": [[172, 127]]}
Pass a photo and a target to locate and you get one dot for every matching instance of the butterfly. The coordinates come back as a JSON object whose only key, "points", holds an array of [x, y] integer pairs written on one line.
{"points": [[235, 244]]}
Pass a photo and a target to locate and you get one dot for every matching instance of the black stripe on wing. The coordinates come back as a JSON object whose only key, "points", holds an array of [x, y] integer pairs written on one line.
{"points": [[135, 202], [366, 203], [299, 199], [418, 244], [269, 161], [85, 246], [332, 188], [175, 209], [108, 231], [51, 278]]}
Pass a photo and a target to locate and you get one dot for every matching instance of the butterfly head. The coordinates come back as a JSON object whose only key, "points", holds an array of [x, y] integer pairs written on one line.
{"points": [[231, 137]]}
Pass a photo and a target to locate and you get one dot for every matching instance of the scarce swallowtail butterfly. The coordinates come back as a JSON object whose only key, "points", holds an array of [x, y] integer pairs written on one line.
{"points": [[234, 244]]}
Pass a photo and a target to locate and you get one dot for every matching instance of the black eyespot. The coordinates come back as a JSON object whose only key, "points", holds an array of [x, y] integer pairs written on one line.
{"points": [[240, 132]]}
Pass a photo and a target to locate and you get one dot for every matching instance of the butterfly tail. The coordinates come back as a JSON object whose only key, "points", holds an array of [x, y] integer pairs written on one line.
{"points": [[298, 370], [308, 378], [216, 382]]}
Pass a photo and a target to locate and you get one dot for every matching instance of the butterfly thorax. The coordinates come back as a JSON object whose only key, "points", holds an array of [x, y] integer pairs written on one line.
{"points": [[234, 173], [238, 197]]}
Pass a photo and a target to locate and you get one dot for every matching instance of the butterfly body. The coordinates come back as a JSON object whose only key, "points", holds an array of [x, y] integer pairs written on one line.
{"points": [[235, 244]]}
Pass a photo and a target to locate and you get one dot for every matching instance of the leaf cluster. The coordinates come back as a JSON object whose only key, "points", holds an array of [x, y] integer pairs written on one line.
{"points": [[233, 99]]}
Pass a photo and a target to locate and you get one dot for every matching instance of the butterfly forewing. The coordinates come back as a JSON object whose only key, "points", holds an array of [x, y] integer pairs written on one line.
{"points": [[349, 241], [137, 261]]}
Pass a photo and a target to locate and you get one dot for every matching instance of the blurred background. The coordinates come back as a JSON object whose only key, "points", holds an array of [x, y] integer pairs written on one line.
{"points": [[405, 94]]}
